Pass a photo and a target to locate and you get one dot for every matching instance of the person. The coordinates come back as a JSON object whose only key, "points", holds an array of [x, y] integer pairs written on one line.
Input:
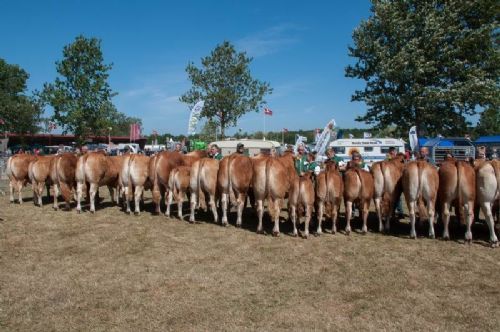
{"points": [[214, 152], [392, 153], [481, 153], [331, 155], [494, 154], [407, 154], [240, 148], [424, 154], [357, 161], [178, 147], [289, 148], [302, 161]]}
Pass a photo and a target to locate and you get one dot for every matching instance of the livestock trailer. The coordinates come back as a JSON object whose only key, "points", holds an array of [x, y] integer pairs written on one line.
{"points": [[459, 147], [371, 149], [253, 147]]}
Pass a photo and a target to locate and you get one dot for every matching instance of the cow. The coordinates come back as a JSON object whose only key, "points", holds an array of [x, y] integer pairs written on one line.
{"points": [[178, 186], [40, 176], [488, 193], [358, 187], [62, 173], [203, 181], [421, 183], [329, 191], [305, 201], [274, 178], [134, 177], [159, 171], [387, 188], [234, 180], [97, 169], [18, 174], [457, 182]]}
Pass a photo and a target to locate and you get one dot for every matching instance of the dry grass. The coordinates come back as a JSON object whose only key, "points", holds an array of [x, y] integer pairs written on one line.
{"points": [[110, 271]]}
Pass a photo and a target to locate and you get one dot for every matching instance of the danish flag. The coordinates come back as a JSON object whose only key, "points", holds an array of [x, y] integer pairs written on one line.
{"points": [[267, 111]]}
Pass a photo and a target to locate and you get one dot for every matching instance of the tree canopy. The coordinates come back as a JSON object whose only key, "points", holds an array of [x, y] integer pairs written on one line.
{"points": [[81, 96], [225, 84], [19, 112], [429, 63]]}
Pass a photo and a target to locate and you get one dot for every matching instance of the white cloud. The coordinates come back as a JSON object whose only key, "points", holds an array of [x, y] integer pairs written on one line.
{"points": [[271, 40]]}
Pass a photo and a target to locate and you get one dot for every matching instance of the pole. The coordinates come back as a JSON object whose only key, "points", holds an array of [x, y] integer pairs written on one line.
{"points": [[264, 133], [282, 137]]}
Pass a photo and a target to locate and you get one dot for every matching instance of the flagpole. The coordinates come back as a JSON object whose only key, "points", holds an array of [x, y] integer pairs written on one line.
{"points": [[264, 134]]}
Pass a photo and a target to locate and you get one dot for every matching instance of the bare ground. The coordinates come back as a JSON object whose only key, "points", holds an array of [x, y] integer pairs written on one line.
{"points": [[110, 271]]}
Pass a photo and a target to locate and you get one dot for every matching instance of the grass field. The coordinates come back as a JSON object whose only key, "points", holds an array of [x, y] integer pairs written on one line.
{"points": [[110, 271]]}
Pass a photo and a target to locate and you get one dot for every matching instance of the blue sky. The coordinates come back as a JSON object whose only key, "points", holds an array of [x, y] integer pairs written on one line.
{"points": [[299, 47]]}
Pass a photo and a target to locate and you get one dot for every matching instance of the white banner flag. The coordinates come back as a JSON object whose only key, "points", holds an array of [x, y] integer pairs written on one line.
{"points": [[324, 139], [367, 135], [412, 135], [195, 117]]}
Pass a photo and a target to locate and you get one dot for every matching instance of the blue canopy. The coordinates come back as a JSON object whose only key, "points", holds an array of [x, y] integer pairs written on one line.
{"points": [[488, 139]]}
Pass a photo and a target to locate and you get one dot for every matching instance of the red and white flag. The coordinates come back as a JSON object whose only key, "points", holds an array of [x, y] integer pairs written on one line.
{"points": [[135, 131], [285, 130], [268, 111]]}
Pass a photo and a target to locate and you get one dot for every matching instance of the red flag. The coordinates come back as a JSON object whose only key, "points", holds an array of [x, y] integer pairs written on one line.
{"points": [[285, 130], [267, 111]]}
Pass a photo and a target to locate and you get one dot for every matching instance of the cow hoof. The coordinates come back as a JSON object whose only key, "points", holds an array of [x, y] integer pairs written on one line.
{"points": [[93, 212], [333, 232], [347, 233], [305, 236], [432, 236], [294, 234], [55, 208], [11, 201], [260, 231], [494, 244], [238, 225], [446, 238], [191, 221], [136, 213], [317, 234], [276, 234], [78, 211], [128, 212], [413, 237], [468, 241]]}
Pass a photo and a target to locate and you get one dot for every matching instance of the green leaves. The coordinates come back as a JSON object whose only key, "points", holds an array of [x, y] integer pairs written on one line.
{"points": [[225, 84], [429, 63], [81, 96], [19, 113]]}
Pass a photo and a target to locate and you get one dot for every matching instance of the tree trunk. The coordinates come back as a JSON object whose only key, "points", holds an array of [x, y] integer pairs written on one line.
{"points": [[222, 126]]}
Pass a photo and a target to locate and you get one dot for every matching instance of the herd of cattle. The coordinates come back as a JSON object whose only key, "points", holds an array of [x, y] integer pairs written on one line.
{"points": [[209, 183]]}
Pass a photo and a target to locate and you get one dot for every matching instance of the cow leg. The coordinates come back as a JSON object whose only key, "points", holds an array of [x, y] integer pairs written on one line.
{"points": [[365, 209], [277, 209], [19, 191], [35, 193], [137, 199], [335, 211], [411, 210], [486, 208], [432, 215], [213, 206], [308, 220], [79, 192], [379, 214], [242, 198], [180, 200], [11, 191], [128, 198], [321, 210], [348, 213], [170, 198], [293, 217], [40, 193], [224, 203], [112, 193], [92, 192], [446, 220], [55, 205], [260, 214], [48, 190], [389, 216], [469, 215], [193, 207]]}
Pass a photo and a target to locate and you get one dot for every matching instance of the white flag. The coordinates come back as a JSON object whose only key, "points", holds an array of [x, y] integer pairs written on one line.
{"points": [[195, 117], [324, 139], [367, 135], [412, 135]]}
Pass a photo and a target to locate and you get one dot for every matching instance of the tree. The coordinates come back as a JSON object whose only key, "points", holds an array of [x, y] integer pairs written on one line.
{"points": [[427, 63], [489, 122], [120, 123], [225, 84], [19, 112], [81, 96]]}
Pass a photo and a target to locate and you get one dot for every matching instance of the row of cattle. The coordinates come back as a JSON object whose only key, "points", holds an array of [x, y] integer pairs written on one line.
{"points": [[170, 175]]}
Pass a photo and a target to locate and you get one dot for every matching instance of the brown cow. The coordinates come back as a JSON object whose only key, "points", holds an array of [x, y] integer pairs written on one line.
{"points": [[420, 183], [273, 179], [62, 170], [387, 187], [457, 182], [97, 169], [305, 201], [488, 193], [134, 177], [39, 173], [234, 180], [358, 187], [178, 186], [329, 191], [18, 174], [203, 179]]}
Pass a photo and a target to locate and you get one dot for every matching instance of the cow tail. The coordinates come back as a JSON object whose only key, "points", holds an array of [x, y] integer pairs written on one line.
{"points": [[420, 169], [496, 168], [327, 195], [198, 180], [459, 166], [8, 171], [358, 172], [230, 183], [130, 191]]}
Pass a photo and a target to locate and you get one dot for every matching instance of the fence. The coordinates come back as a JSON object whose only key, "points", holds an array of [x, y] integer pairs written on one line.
{"points": [[3, 166]]}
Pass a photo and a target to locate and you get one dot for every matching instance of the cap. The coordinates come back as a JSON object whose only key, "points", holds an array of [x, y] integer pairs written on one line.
{"points": [[239, 146]]}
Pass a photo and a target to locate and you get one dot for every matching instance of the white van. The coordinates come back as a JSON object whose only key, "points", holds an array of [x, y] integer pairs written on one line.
{"points": [[252, 146], [371, 149]]}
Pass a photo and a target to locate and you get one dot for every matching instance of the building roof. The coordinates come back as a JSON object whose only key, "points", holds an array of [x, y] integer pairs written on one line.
{"points": [[488, 139]]}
